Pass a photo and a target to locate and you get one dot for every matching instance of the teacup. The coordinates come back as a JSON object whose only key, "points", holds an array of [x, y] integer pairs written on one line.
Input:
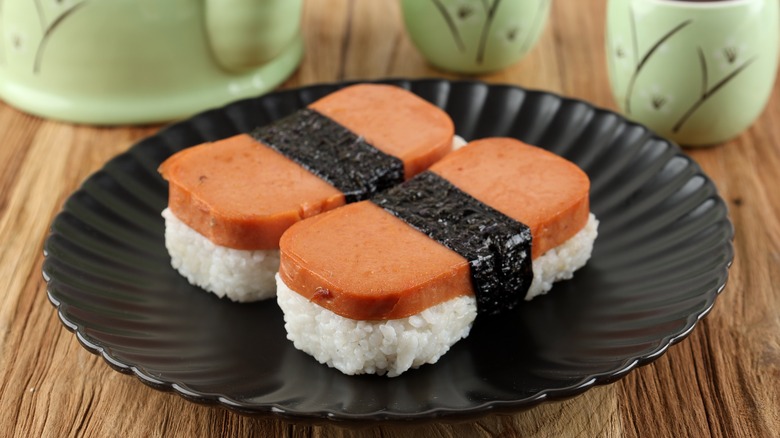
{"points": [[474, 36], [136, 61], [697, 72]]}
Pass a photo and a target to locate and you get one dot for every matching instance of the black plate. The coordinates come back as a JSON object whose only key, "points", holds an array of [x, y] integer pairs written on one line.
{"points": [[660, 260]]}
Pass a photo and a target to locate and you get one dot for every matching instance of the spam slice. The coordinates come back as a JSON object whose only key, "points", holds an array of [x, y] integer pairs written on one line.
{"points": [[231, 200], [398, 298]]}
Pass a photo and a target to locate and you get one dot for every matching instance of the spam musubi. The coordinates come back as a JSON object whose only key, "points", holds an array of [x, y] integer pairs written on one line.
{"points": [[388, 284], [231, 200]]}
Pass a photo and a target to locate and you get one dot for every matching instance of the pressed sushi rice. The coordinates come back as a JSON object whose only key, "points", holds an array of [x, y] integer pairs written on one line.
{"points": [[374, 347], [394, 346], [240, 275], [560, 262]]}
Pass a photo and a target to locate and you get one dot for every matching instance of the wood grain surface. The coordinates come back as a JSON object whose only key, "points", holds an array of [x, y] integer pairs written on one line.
{"points": [[722, 381]]}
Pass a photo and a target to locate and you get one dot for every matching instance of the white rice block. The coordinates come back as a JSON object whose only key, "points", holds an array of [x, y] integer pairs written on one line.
{"points": [[394, 346], [458, 142], [560, 262], [374, 347], [239, 275]]}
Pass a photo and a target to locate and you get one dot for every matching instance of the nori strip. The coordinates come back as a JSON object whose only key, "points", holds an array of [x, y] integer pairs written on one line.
{"points": [[333, 153], [497, 247]]}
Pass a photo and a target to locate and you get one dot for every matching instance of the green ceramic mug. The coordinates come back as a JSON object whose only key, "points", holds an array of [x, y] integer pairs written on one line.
{"points": [[136, 61], [697, 72], [474, 36]]}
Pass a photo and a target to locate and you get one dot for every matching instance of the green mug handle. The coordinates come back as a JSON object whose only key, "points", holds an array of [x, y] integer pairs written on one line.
{"points": [[245, 34]]}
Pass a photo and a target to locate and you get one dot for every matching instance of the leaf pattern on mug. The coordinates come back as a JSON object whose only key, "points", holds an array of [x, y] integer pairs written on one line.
{"points": [[730, 57], [640, 62], [17, 40], [462, 12], [491, 13], [707, 91], [731, 53], [621, 55], [64, 9], [448, 18], [657, 99], [658, 102]]}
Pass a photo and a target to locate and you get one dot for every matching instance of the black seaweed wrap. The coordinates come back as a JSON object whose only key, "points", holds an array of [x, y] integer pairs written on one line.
{"points": [[497, 247], [333, 153]]}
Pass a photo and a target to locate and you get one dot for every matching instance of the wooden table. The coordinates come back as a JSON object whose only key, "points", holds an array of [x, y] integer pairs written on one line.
{"points": [[721, 381]]}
